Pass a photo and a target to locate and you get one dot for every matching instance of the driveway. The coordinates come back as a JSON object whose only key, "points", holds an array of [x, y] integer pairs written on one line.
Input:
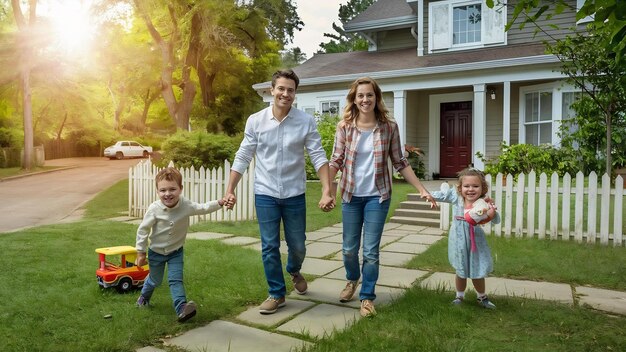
{"points": [[53, 197]]}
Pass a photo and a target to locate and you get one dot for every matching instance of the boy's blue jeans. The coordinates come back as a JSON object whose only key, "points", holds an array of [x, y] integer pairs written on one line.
{"points": [[270, 211], [364, 215], [174, 262]]}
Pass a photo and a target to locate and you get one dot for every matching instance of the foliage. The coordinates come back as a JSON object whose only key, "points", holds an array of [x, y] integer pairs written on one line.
{"points": [[340, 41], [414, 157], [326, 126], [599, 128], [198, 149], [292, 57], [523, 158]]}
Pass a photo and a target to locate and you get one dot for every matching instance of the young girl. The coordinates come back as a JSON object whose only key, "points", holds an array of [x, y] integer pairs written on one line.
{"points": [[468, 251]]}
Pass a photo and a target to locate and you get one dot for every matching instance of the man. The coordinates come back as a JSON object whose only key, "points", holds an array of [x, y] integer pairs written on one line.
{"points": [[277, 136]]}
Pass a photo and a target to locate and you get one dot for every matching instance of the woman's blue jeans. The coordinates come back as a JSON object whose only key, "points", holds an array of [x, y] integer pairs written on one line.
{"points": [[270, 211], [363, 215], [174, 262]]}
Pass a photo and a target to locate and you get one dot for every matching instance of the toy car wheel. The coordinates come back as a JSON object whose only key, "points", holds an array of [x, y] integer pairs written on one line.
{"points": [[125, 285]]}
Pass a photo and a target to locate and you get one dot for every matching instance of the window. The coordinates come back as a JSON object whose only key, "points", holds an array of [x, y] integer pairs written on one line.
{"points": [[538, 117], [459, 24], [466, 24], [309, 110], [330, 107]]}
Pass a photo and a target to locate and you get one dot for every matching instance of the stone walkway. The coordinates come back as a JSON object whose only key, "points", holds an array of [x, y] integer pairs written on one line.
{"points": [[318, 313]]}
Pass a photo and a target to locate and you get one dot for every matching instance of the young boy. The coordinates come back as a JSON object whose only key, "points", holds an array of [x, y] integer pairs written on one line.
{"points": [[165, 223]]}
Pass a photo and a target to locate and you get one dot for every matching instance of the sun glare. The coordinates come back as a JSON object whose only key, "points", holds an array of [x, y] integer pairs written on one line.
{"points": [[73, 26]]}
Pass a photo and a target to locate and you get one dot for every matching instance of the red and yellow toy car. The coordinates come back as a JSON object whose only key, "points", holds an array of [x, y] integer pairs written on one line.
{"points": [[117, 268]]}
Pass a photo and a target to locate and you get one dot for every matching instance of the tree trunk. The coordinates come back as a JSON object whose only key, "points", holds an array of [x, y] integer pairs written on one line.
{"points": [[28, 119]]}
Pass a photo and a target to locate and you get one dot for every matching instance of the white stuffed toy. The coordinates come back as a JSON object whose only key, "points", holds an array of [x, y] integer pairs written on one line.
{"points": [[480, 213]]}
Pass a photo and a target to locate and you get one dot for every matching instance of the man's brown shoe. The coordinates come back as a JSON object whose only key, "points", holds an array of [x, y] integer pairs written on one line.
{"points": [[271, 305], [347, 293], [299, 283], [367, 308]]}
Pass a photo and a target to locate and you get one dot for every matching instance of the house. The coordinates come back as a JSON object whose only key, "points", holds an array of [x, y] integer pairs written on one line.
{"points": [[454, 80]]}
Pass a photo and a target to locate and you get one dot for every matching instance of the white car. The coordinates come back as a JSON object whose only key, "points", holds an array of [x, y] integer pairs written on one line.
{"points": [[126, 149]]}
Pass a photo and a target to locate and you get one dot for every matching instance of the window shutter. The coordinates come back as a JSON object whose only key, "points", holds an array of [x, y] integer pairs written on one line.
{"points": [[493, 24], [440, 26]]}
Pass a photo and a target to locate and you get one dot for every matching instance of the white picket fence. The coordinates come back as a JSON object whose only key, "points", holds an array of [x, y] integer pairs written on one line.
{"points": [[200, 186], [584, 210]]}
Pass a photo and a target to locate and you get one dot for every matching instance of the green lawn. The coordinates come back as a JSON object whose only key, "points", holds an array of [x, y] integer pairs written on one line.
{"points": [[51, 301]]}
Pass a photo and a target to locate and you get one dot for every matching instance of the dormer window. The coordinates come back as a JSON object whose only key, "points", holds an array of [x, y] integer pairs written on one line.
{"points": [[456, 24]]}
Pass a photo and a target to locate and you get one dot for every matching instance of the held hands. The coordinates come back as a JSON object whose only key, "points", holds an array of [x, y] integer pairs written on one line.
{"points": [[429, 198], [327, 203], [141, 259], [229, 201]]}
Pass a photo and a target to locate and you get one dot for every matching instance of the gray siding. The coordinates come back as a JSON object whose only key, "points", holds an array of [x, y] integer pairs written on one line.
{"points": [[544, 30], [395, 39]]}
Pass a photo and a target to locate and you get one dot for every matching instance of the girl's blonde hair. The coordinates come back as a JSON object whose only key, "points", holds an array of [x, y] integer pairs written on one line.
{"points": [[470, 171], [351, 111]]}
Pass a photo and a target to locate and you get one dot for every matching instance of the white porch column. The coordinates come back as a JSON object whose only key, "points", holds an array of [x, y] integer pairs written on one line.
{"points": [[399, 112], [506, 113], [479, 117]]}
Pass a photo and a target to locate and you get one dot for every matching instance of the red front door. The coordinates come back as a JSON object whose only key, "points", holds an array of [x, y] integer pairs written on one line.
{"points": [[456, 138]]}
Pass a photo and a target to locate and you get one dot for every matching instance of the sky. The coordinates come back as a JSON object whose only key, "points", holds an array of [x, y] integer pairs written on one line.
{"points": [[318, 17]]}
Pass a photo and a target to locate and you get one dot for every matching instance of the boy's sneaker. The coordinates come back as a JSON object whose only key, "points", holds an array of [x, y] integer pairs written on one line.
{"points": [[299, 283], [271, 305], [485, 302], [347, 293], [143, 301], [187, 312], [367, 308], [457, 301]]}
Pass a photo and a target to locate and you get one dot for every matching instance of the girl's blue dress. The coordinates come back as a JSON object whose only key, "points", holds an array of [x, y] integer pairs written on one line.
{"points": [[468, 264]]}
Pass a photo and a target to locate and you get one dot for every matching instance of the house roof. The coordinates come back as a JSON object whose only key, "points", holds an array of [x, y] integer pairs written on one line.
{"points": [[382, 14], [382, 10], [339, 67]]}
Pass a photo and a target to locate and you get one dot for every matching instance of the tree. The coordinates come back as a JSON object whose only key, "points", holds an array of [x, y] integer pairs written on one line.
{"points": [[600, 124], [292, 57], [340, 41], [598, 72], [609, 14], [26, 40]]}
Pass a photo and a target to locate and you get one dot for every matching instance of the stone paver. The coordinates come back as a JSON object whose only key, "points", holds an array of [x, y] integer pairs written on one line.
{"points": [[224, 336], [150, 349], [322, 249], [336, 238], [605, 300], [319, 267], [398, 277], [404, 247], [207, 235], [394, 259], [240, 240], [422, 239], [319, 234], [507, 287], [292, 307], [321, 321]]}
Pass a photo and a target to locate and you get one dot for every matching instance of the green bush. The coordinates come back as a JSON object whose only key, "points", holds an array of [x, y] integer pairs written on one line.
{"points": [[198, 149], [415, 160], [523, 158], [326, 126]]}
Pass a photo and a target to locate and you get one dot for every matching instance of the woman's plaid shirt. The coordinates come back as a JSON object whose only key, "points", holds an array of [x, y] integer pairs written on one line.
{"points": [[387, 146]]}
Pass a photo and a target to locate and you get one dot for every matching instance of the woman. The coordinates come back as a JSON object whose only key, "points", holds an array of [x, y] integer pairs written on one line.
{"points": [[365, 140]]}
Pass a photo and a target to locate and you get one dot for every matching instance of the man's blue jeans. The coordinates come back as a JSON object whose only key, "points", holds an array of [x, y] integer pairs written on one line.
{"points": [[174, 262], [364, 215], [270, 211]]}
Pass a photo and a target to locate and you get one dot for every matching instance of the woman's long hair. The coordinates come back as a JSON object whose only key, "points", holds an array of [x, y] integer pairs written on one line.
{"points": [[352, 111]]}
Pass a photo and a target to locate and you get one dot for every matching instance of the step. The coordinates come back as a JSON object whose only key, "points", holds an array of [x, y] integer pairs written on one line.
{"points": [[417, 213], [409, 220], [419, 205], [415, 197]]}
